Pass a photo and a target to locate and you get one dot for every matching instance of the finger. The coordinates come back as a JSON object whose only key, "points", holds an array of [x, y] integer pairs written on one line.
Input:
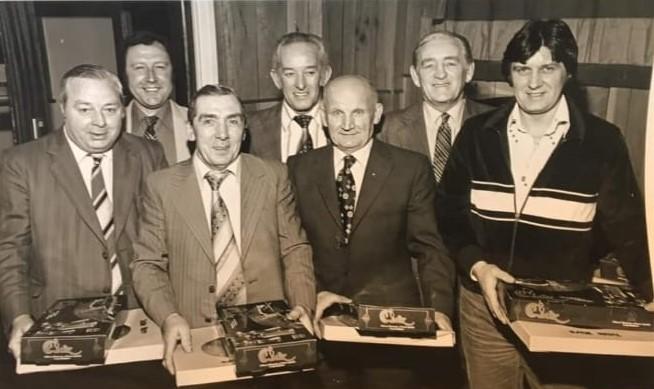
{"points": [[306, 322], [650, 306], [494, 306], [316, 329], [14, 348], [294, 314], [169, 348], [443, 323], [185, 335], [168, 363], [504, 276]]}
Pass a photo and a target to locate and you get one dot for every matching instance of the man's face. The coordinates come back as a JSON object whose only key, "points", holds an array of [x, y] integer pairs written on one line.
{"points": [[441, 72], [149, 74], [93, 114], [218, 124], [300, 75], [538, 83], [350, 114]]}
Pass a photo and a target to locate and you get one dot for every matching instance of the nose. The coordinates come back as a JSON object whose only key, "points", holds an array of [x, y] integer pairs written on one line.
{"points": [[150, 75], [221, 131], [440, 71], [348, 122], [301, 82], [535, 80], [99, 120]]}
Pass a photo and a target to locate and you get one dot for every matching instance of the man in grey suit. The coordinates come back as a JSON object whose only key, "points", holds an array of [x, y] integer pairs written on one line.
{"points": [[442, 65], [69, 204], [300, 68], [220, 228]]}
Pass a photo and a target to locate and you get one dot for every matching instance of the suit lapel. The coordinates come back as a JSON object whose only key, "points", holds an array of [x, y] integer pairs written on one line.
{"points": [[66, 171], [251, 201], [377, 171], [126, 178], [326, 182], [188, 200], [417, 130]]}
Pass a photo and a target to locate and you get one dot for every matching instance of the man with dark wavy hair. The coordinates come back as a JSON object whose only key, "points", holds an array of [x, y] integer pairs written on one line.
{"points": [[525, 190]]}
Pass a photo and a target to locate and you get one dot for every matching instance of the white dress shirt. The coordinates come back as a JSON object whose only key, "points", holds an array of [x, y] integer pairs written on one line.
{"points": [[433, 119], [358, 169], [85, 165], [292, 132], [528, 154], [230, 192]]}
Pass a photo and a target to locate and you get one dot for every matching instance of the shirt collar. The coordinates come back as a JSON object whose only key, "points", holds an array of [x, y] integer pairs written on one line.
{"points": [[560, 121], [360, 155], [80, 154], [163, 113], [289, 113], [456, 113], [201, 168]]}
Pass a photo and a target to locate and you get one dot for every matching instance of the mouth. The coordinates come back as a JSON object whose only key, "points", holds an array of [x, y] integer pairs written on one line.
{"points": [[151, 89], [535, 95], [301, 95]]}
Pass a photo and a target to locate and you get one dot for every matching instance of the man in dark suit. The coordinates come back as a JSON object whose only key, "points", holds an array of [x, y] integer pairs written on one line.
{"points": [[220, 228], [442, 65], [69, 204], [300, 68], [368, 208]]}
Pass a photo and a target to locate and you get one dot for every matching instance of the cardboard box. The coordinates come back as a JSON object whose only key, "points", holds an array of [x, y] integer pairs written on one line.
{"points": [[575, 304], [396, 321], [72, 331], [342, 329], [263, 340], [546, 337]]}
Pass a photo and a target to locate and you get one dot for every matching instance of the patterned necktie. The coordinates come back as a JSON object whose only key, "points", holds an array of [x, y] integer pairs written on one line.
{"points": [[442, 147], [346, 190], [105, 212], [230, 285], [306, 143], [150, 122]]}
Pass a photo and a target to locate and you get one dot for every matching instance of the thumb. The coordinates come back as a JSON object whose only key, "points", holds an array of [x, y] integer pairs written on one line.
{"points": [[185, 339], [504, 276]]}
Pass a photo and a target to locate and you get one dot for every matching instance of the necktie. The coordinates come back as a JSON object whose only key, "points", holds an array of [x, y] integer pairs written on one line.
{"points": [[442, 147], [104, 211], [346, 190], [306, 143], [150, 122], [230, 285]]}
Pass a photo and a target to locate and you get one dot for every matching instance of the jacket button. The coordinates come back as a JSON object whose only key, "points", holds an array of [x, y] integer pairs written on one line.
{"points": [[207, 320], [106, 290], [212, 289], [105, 255]]}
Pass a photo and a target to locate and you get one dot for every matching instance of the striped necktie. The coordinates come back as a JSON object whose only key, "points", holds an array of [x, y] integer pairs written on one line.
{"points": [[105, 212], [442, 147], [230, 285], [306, 143], [150, 133]]}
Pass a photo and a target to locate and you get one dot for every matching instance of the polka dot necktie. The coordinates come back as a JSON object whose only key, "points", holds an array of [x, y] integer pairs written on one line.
{"points": [[306, 143], [346, 190]]}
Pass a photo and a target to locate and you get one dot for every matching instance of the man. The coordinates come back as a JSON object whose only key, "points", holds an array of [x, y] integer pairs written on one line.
{"points": [[69, 204], [300, 68], [219, 228], [368, 208], [152, 113], [442, 65], [522, 195]]}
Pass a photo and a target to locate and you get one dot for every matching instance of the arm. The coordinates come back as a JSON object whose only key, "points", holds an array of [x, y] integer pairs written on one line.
{"points": [[296, 254], [434, 265]]}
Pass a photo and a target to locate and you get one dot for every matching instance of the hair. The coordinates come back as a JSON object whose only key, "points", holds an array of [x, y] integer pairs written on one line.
{"points": [[373, 95], [146, 38], [90, 71], [553, 34], [299, 37], [210, 90], [467, 50]]}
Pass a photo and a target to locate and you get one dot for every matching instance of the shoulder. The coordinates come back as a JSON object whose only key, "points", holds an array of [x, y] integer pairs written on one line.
{"points": [[474, 107], [265, 114], [261, 166], [31, 152], [142, 147], [404, 157], [403, 116], [180, 109]]}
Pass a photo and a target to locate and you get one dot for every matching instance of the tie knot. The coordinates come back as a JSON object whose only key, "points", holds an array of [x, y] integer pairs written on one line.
{"points": [[215, 178], [97, 159], [348, 161], [303, 120], [150, 121], [445, 117]]}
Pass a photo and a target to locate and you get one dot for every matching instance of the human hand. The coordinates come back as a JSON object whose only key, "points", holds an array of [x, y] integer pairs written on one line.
{"points": [[442, 321], [175, 328], [650, 306], [324, 300], [19, 326], [299, 313], [488, 276]]}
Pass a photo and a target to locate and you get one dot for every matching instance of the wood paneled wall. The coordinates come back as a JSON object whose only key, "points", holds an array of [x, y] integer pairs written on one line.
{"points": [[375, 38]]}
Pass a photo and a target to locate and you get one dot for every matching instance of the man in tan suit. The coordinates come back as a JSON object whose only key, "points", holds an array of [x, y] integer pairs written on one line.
{"points": [[220, 228], [69, 204]]}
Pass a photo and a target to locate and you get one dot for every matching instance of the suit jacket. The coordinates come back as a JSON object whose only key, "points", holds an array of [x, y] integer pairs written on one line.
{"points": [[183, 145], [407, 129], [394, 220], [264, 133], [51, 244], [174, 267]]}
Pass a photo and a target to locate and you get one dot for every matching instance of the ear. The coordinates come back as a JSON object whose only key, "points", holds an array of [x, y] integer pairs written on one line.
{"points": [[379, 110], [323, 115], [470, 72], [277, 80], [62, 109], [190, 133], [414, 76], [325, 75]]}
